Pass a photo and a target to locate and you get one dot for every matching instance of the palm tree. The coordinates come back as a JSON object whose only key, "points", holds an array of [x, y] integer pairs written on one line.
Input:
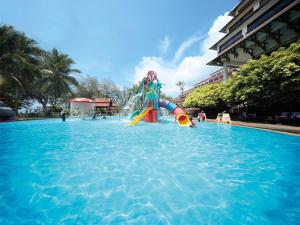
{"points": [[56, 75], [19, 65], [20, 56], [180, 84]]}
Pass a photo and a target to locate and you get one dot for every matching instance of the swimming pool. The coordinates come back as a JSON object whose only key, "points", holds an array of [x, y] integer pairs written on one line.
{"points": [[101, 172]]}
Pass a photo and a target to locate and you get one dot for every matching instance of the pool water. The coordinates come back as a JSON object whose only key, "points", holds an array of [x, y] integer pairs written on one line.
{"points": [[102, 172]]}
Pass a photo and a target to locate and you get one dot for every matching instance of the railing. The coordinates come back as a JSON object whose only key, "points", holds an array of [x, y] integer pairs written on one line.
{"points": [[263, 2], [242, 20], [249, 14], [231, 41], [270, 13]]}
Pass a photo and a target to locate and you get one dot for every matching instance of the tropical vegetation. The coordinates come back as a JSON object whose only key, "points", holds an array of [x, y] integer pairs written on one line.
{"points": [[265, 85], [91, 87], [30, 74]]}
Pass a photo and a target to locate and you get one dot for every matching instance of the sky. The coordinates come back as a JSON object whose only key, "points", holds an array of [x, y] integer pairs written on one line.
{"points": [[121, 40]]}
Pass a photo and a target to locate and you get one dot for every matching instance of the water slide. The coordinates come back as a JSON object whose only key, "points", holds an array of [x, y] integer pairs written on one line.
{"points": [[138, 118], [181, 117]]}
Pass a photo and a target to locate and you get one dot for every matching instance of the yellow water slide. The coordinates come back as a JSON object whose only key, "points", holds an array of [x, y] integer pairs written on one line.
{"points": [[138, 118], [183, 120]]}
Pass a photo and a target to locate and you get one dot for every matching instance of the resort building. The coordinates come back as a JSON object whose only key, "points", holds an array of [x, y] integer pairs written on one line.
{"points": [[104, 105], [257, 27], [215, 77], [180, 99]]}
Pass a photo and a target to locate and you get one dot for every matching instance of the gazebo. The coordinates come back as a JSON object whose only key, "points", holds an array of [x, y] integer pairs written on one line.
{"points": [[81, 106]]}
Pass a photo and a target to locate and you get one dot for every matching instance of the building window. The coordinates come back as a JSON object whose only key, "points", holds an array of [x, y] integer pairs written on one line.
{"points": [[231, 41], [270, 13], [263, 2], [242, 20]]}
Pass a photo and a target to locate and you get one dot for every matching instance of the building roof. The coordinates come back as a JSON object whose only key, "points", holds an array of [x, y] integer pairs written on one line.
{"points": [[105, 104], [238, 10], [240, 7], [82, 100], [265, 34], [234, 21], [102, 100]]}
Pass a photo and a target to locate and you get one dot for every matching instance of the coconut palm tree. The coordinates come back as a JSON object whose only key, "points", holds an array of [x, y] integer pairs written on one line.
{"points": [[180, 84], [19, 56], [19, 65], [57, 79]]}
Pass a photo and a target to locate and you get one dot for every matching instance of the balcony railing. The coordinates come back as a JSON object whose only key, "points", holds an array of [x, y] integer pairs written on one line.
{"points": [[270, 13], [242, 20], [247, 15], [231, 41], [263, 3]]}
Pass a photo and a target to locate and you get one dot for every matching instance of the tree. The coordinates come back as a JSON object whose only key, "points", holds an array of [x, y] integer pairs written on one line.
{"points": [[19, 55], [133, 90], [89, 87], [41, 92], [270, 81], [19, 65], [208, 96], [111, 90], [57, 76], [180, 84], [164, 96], [55, 81]]}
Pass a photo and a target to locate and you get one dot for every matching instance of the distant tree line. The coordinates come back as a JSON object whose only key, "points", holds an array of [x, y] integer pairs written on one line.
{"points": [[266, 86], [28, 73], [91, 87]]}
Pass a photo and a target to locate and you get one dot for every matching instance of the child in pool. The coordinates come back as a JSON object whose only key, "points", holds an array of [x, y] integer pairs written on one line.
{"points": [[192, 122]]}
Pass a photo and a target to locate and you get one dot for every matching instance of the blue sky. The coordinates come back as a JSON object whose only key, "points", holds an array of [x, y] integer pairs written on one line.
{"points": [[120, 40]]}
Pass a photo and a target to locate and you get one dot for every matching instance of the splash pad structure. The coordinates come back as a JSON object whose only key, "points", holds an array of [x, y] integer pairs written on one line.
{"points": [[148, 103]]}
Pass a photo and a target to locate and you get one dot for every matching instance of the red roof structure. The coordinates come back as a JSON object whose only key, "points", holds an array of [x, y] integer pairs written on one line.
{"points": [[101, 104], [104, 105], [82, 100], [102, 100]]}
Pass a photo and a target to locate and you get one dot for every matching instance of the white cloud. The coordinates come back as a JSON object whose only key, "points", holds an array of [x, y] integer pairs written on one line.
{"points": [[184, 46], [213, 34], [164, 45], [191, 69]]}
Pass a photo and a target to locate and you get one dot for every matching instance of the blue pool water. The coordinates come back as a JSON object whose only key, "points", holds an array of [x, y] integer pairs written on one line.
{"points": [[102, 172]]}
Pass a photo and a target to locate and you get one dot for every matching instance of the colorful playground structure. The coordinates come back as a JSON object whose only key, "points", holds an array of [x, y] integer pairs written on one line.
{"points": [[147, 103]]}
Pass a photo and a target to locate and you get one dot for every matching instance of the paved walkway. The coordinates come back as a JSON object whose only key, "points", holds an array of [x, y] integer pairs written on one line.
{"points": [[275, 127]]}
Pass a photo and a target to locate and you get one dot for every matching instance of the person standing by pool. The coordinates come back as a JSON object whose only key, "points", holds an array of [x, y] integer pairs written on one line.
{"points": [[201, 117], [219, 118], [63, 115]]}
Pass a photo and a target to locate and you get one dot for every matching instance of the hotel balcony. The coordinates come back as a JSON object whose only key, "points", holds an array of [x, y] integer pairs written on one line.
{"points": [[258, 27]]}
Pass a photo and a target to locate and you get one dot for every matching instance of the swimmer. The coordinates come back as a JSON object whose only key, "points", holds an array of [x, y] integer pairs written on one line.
{"points": [[63, 115], [192, 122]]}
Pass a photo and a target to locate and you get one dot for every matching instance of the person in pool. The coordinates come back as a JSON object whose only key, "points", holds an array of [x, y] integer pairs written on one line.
{"points": [[63, 115], [201, 116], [192, 122], [219, 118], [94, 116]]}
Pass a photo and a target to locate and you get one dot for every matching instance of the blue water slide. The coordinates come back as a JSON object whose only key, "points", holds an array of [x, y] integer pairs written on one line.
{"points": [[170, 106]]}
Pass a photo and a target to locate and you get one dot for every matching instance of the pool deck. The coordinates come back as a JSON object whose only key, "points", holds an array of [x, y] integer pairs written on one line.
{"points": [[263, 126]]}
